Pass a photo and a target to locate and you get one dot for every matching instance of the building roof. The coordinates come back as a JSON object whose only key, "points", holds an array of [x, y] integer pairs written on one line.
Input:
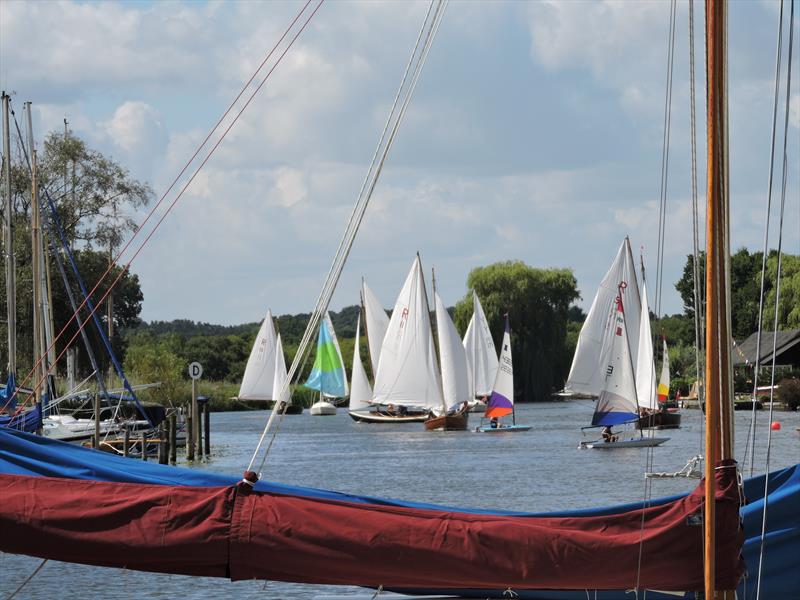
{"points": [[787, 349]]}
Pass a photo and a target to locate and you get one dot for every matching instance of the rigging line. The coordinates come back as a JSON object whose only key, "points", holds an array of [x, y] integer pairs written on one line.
{"points": [[665, 157], [127, 265], [353, 221], [649, 455], [177, 178], [362, 203], [698, 310], [777, 296], [57, 256], [28, 579], [54, 225], [751, 434]]}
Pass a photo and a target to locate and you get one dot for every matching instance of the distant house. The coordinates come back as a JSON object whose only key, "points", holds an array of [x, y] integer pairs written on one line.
{"points": [[787, 349]]}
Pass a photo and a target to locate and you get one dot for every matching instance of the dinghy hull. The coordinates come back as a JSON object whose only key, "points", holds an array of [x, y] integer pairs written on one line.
{"points": [[621, 444], [379, 417]]}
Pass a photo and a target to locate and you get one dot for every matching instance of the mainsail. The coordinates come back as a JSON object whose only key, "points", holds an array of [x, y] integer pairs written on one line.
{"points": [[455, 376], [645, 367], [327, 375], [617, 400], [481, 353], [360, 390], [259, 374], [501, 403], [663, 382], [377, 322], [408, 372], [586, 375], [280, 388]]}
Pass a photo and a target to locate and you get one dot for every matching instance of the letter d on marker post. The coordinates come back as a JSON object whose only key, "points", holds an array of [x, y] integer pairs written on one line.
{"points": [[195, 372]]}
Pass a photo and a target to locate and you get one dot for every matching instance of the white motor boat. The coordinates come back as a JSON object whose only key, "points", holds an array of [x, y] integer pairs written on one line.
{"points": [[322, 409], [69, 429]]}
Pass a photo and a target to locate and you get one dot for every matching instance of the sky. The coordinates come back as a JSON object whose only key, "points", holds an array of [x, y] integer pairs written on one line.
{"points": [[535, 133]]}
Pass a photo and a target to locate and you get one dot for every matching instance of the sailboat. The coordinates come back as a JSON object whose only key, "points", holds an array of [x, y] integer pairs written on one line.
{"points": [[259, 373], [327, 375], [501, 402], [360, 389], [454, 413], [662, 417], [481, 357], [260, 530], [618, 401], [376, 322], [587, 375]]}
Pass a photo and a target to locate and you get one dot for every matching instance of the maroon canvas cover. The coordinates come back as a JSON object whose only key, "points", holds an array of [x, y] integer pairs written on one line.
{"points": [[244, 535]]}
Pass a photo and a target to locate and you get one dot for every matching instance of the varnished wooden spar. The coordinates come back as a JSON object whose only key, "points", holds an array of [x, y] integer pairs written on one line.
{"points": [[717, 370]]}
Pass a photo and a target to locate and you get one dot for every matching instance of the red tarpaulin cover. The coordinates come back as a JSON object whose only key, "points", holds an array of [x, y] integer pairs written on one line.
{"points": [[242, 534]]}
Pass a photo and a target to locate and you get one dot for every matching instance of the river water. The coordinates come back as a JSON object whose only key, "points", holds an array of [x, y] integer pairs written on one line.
{"points": [[537, 471]]}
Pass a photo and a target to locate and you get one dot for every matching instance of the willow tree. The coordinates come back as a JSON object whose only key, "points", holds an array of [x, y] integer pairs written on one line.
{"points": [[537, 302]]}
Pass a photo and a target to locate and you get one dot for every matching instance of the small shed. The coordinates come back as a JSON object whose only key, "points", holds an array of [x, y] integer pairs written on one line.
{"points": [[787, 349]]}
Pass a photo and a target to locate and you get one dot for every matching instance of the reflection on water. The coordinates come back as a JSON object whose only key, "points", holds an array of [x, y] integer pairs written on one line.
{"points": [[537, 471]]}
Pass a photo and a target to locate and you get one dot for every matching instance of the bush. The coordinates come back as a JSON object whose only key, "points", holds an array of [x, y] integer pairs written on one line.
{"points": [[789, 393]]}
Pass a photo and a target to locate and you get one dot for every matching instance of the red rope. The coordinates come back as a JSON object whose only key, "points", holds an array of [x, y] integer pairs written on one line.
{"points": [[174, 202]]}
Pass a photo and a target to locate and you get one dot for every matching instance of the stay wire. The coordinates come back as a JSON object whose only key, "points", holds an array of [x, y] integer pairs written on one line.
{"points": [[697, 291], [211, 152], [325, 292], [152, 211], [364, 198], [751, 434], [785, 168], [665, 158], [649, 455]]}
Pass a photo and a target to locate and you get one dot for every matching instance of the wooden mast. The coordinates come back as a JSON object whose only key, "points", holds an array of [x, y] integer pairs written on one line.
{"points": [[719, 438]]}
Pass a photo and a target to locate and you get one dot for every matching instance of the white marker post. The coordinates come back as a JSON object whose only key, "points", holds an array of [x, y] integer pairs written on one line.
{"points": [[195, 372]]}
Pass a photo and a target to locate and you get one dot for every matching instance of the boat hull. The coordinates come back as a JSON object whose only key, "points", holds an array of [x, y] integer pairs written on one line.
{"points": [[378, 417], [502, 428], [454, 422], [322, 409], [646, 442], [662, 419]]}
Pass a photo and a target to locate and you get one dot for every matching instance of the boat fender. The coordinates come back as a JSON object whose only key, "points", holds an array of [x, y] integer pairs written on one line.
{"points": [[249, 480]]}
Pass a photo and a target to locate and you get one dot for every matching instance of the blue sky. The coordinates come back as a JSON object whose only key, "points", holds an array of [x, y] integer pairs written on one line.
{"points": [[535, 134]]}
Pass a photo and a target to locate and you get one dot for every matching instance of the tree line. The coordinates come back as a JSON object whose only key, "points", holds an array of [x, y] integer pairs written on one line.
{"points": [[94, 198]]}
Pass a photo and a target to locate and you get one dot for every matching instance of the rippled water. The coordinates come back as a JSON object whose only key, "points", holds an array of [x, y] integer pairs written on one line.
{"points": [[539, 470]]}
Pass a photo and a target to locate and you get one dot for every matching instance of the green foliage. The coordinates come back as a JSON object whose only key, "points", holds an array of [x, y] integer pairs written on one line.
{"points": [[148, 361], [537, 302], [789, 313], [745, 286], [789, 393]]}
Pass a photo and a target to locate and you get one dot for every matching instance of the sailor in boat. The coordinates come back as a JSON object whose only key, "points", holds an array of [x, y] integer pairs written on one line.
{"points": [[608, 435], [494, 423]]}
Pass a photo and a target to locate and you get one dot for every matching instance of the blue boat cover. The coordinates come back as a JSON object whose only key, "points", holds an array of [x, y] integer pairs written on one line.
{"points": [[25, 454]]}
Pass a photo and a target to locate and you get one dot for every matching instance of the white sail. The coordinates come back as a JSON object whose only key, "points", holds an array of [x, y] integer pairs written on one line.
{"points": [[663, 382], [259, 374], [377, 321], [481, 353], [281, 376], [617, 401], [408, 372], [455, 376], [360, 390], [586, 375], [645, 366], [502, 400]]}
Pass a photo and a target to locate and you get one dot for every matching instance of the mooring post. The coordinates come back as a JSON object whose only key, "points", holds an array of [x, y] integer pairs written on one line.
{"points": [[162, 444], [144, 445], [173, 438], [189, 431], [126, 441], [207, 427]]}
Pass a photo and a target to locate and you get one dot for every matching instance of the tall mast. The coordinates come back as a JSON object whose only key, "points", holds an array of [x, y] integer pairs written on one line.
{"points": [[719, 435], [11, 284], [36, 261], [434, 332]]}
